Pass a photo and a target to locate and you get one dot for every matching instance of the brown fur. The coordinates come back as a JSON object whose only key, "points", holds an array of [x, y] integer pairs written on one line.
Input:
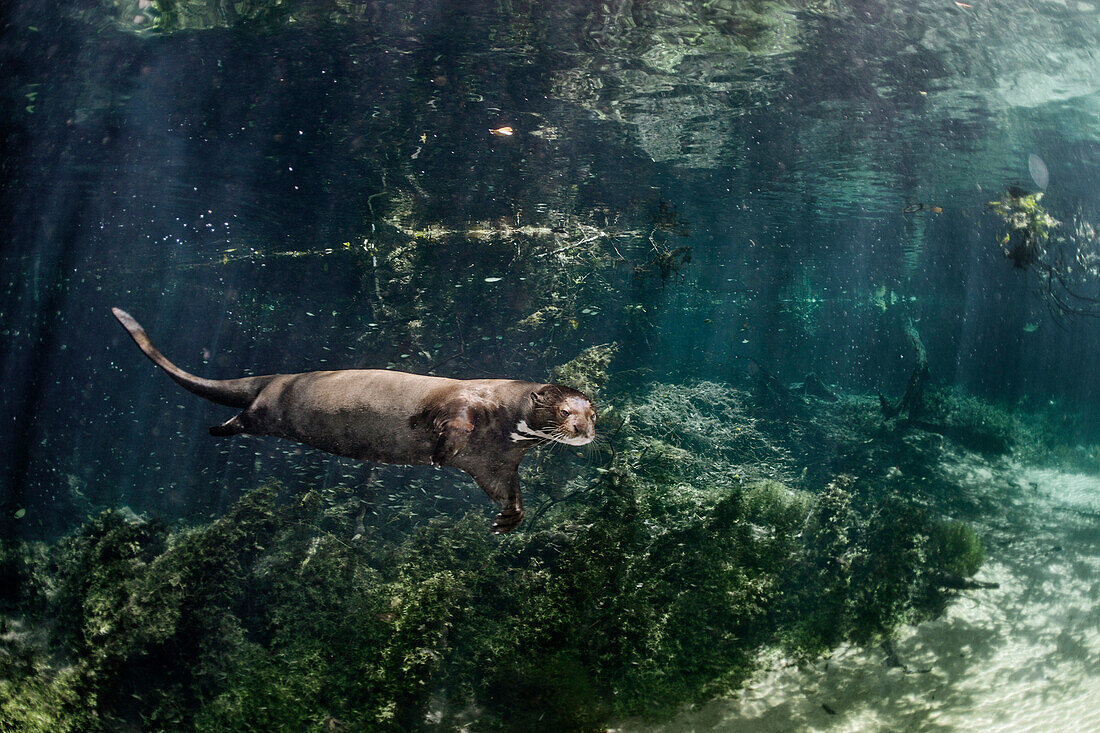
{"points": [[397, 417]]}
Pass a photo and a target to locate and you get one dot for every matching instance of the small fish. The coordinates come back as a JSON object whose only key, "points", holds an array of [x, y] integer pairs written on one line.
{"points": [[1031, 327], [503, 131], [963, 5]]}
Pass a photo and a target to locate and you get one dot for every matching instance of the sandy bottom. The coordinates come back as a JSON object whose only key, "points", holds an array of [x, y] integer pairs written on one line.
{"points": [[1022, 657]]}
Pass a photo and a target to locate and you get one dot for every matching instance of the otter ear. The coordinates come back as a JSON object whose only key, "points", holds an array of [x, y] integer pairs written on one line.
{"points": [[546, 395]]}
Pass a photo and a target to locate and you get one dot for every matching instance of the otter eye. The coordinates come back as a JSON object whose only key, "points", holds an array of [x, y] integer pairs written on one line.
{"points": [[564, 412]]}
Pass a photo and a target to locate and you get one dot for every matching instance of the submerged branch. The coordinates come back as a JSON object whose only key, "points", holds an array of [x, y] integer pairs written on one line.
{"points": [[914, 390]]}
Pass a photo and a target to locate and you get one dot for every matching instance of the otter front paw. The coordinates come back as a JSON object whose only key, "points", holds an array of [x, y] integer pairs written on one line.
{"points": [[507, 520]]}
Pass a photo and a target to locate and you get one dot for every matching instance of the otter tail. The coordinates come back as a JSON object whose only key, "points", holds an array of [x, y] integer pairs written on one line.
{"points": [[229, 392]]}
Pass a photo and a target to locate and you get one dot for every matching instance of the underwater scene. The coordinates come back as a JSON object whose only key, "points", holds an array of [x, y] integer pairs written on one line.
{"points": [[516, 365]]}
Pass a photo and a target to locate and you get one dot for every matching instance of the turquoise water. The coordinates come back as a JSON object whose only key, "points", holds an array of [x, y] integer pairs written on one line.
{"points": [[694, 212]]}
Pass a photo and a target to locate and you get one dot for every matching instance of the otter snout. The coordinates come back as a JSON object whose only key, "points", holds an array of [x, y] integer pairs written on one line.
{"points": [[579, 420]]}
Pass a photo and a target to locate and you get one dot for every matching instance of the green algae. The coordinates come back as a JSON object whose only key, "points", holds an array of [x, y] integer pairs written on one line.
{"points": [[686, 555], [974, 423], [588, 370], [959, 548], [1028, 226]]}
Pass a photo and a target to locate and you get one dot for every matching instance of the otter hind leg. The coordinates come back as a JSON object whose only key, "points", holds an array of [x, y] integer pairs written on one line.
{"points": [[232, 426]]}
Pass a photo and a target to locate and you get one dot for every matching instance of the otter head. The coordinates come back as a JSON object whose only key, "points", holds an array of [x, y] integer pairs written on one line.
{"points": [[560, 414]]}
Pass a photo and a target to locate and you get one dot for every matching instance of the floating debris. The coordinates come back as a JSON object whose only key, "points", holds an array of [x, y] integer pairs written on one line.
{"points": [[503, 131], [921, 206], [1031, 327]]}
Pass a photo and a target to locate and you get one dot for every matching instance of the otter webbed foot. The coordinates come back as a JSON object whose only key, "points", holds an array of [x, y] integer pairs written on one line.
{"points": [[507, 520], [502, 486], [232, 426]]}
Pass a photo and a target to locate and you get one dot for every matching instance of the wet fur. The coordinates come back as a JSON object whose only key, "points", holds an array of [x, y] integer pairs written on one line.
{"points": [[398, 417]]}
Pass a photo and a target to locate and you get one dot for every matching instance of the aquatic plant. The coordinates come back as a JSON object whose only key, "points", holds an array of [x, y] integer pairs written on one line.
{"points": [[587, 371], [664, 262], [554, 631], [972, 422], [1066, 264], [176, 15], [1028, 226], [35, 698], [128, 600], [825, 572], [959, 549], [658, 582], [24, 582], [892, 576], [770, 503]]}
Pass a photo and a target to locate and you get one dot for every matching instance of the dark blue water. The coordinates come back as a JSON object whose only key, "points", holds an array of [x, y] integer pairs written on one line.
{"points": [[245, 184], [208, 181]]}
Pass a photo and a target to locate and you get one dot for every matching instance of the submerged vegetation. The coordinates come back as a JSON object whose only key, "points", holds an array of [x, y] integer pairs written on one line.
{"points": [[1064, 258], [657, 578], [1028, 225], [721, 523]]}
